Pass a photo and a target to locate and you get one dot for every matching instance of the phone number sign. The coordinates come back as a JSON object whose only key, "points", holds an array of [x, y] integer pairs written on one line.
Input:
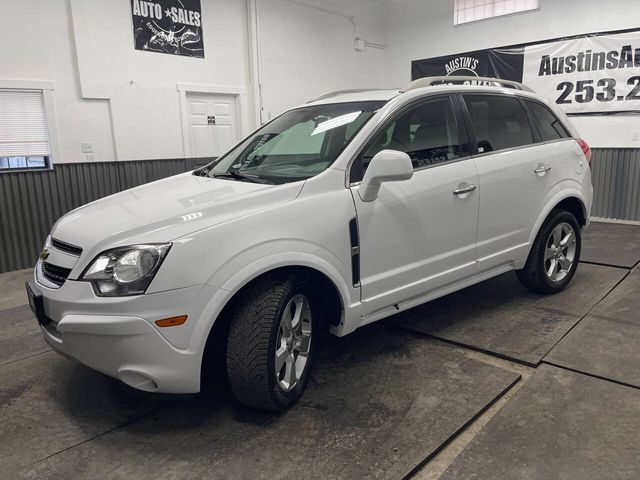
{"points": [[594, 74]]}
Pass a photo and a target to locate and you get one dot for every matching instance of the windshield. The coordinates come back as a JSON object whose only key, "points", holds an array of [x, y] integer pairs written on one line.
{"points": [[297, 145]]}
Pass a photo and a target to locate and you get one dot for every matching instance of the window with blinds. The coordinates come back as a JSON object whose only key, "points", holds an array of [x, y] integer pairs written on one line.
{"points": [[466, 11], [24, 138]]}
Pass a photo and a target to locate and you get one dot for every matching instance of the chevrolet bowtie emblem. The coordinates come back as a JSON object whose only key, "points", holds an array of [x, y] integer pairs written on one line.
{"points": [[44, 254]]}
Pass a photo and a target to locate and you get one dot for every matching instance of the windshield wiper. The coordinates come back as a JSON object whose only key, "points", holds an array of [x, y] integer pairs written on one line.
{"points": [[234, 174]]}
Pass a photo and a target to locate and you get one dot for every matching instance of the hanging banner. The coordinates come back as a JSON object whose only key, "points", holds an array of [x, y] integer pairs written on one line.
{"points": [[590, 74], [583, 75], [168, 26], [505, 63]]}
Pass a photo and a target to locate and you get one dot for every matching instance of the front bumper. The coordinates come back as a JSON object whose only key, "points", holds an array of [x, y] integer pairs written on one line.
{"points": [[118, 337]]}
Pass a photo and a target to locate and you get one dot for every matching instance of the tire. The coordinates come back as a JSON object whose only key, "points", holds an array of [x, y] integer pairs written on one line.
{"points": [[552, 263], [260, 335]]}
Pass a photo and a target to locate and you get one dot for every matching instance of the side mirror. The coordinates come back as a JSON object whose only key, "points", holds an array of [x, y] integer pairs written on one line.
{"points": [[385, 166]]}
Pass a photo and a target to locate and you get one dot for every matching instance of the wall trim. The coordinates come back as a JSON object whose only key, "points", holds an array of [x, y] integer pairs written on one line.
{"points": [[27, 84], [79, 10], [255, 65], [614, 220], [204, 88]]}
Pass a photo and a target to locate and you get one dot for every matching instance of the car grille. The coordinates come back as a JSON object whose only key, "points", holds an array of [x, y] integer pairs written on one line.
{"points": [[66, 247], [55, 274]]}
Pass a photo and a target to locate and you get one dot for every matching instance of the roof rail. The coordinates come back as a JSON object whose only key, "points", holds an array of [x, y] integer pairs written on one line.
{"points": [[335, 93], [462, 80]]}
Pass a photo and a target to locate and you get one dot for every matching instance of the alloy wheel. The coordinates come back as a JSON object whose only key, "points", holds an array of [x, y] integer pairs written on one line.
{"points": [[560, 252], [293, 342]]}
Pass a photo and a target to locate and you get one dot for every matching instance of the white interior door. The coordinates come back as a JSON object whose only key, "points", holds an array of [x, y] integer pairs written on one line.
{"points": [[213, 123]]}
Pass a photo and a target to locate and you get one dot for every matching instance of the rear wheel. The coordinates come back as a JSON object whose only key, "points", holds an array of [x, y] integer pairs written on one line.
{"points": [[554, 256], [271, 342]]}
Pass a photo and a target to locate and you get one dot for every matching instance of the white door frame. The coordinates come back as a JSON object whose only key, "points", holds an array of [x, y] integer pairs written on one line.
{"points": [[242, 108]]}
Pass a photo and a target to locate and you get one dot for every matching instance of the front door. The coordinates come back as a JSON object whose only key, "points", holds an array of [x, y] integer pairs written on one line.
{"points": [[213, 124], [419, 235]]}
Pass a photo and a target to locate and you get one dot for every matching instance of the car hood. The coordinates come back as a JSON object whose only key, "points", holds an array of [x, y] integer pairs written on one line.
{"points": [[166, 210]]}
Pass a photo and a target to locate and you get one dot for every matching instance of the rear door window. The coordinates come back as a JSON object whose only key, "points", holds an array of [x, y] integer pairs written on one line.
{"points": [[499, 122], [548, 124]]}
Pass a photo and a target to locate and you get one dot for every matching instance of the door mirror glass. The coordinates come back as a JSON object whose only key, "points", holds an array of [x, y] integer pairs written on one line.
{"points": [[385, 166]]}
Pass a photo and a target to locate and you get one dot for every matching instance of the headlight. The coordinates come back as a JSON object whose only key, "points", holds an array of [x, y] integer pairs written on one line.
{"points": [[125, 270]]}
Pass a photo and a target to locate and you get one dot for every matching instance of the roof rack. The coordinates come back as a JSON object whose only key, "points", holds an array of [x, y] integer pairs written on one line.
{"points": [[335, 93], [462, 80]]}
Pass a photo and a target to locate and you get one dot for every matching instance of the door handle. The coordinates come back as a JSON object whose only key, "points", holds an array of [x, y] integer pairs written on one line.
{"points": [[542, 169], [463, 190]]}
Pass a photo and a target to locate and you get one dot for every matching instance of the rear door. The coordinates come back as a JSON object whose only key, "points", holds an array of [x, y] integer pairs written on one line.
{"points": [[418, 235], [516, 169]]}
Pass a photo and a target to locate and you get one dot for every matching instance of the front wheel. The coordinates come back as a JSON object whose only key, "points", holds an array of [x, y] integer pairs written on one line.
{"points": [[554, 256], [271, 342]]}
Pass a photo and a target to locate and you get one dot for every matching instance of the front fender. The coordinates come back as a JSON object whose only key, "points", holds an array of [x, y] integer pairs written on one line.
{"points": [[290, 259], [242, 276]]}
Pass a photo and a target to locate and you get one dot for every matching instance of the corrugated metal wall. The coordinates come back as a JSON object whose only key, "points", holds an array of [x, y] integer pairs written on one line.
{"points": [[616, 183], [30, 202]]}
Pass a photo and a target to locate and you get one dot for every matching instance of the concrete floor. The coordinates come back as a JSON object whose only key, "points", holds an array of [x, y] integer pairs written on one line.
{"points": [[490, 382]]}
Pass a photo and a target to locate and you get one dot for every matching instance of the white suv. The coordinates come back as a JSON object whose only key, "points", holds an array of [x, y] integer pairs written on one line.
{"points": [[334, 215]]}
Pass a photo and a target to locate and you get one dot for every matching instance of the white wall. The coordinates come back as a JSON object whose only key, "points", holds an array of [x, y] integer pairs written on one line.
{"points": [[142, 86], [126, 102], [38, 45], [424, 28], [306, 51]]}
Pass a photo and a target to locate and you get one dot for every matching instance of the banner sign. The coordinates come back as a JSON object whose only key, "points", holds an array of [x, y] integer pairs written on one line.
{"points": [[586, 74], [168, 26]]}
